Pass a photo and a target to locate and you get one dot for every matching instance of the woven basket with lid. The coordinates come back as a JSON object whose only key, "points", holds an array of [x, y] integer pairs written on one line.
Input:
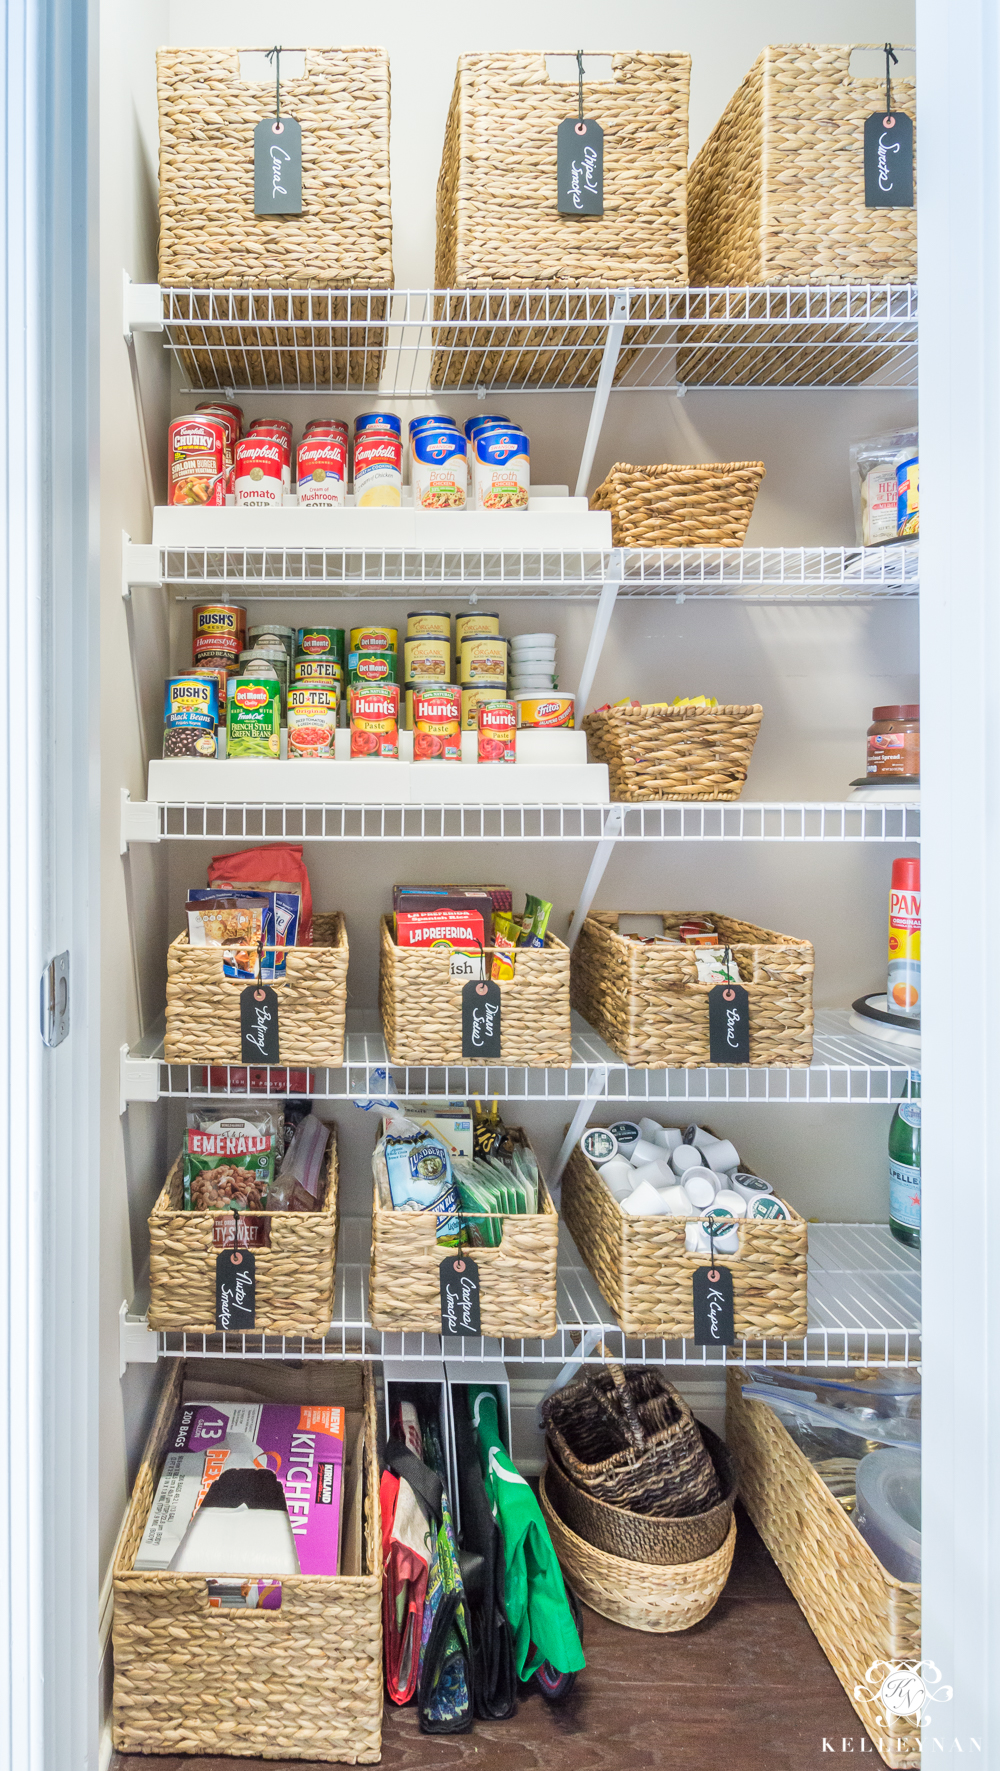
{"points": [[203, 1006], [674, 752], [706, 504]]}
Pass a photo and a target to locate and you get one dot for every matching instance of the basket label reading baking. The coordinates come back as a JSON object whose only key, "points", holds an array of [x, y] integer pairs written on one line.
{"points": [[459, 1296], [728, 1024], [889, 161], [714, 1325], [259, 1025], [277, 167], [235, 1299], [580, 166], [481, 1020]]}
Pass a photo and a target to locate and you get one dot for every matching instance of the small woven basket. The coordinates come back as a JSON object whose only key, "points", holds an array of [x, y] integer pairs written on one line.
{"points": [[630, 1440], [645, 1271], [707, 504], [674, 752], [861, 1616], [647, 1596], [421, 1006], [203, 1006], [636, 1537], [647, 1003], [517, 1280], [293, 1275], [302, 1682]]}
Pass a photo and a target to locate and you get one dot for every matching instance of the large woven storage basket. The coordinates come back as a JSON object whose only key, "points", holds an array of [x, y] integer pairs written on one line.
{"points": [[647, 1003], [647, 1596], [864, 1620], [293, 1275], [517, 1280], [421, 1006], [303, 1682], [777, 192], [203, 1006], [635, 1536], [674, 752], [645, 1272], [628, 1437], [706, 504]]}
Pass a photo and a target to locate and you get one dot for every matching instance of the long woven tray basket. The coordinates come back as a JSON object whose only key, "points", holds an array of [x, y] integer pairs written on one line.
{"points": [[203, 1006], [293, 1277], [671, 504], [303, 1682], [656, 753], [863, 1619]]}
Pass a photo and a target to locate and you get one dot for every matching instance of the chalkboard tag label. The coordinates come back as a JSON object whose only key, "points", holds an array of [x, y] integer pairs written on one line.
{"points": [[481, 1020], [728, 1024], [235, 1304], [888, 161], [580, 166], [258, 1024], [459, 1296], [713, 1307], [277, 167]]}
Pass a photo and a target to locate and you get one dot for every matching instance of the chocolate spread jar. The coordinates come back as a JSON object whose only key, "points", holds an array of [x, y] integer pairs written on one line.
{"points": [[894, 742]]}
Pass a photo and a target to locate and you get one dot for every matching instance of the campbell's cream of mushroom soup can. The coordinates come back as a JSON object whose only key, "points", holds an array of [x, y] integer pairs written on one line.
{"points": [[321, 470]]}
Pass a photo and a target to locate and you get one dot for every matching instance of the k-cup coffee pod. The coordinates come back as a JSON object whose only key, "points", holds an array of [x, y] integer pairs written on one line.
{"points": [[722, 1157], [643, 1151], [722, 1241], [699, 1137], [684, 1157], [648, 1128], [734, 1203], [627, 1134], [599, 1144], [618, 1172], [658, 1174], [749, 1186], [644, 1202], [668, 1136], [676, 1201], [699, 1185], [768, 1207]]}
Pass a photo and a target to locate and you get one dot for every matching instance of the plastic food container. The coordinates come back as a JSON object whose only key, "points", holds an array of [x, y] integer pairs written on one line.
{"points": [[888, 1510], [544, 710]]}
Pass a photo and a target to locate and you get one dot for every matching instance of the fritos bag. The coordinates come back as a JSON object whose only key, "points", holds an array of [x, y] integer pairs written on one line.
{"points": [[277, 868]]}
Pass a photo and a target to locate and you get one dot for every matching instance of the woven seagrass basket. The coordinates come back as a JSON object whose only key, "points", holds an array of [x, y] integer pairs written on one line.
{"points": [[674, 752], [421, 1006], [293, 1275], [707, 504], [517, 1280], [636, 1536], [650, 1596], [863, 1619], [628, 1438], [645, 1272], [203, 1006], [302, 1682], [647, 1003]]}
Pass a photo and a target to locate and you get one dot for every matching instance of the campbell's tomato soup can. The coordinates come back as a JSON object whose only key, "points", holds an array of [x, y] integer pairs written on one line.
{"points": [[321, 642], [321, 471], [437, 724], [378, 473], [375, 720], [498, 732], [281, 431], [483, 660], [544, 710], [312, 721], [426, 660], [374, 639], [371, 667], [340, 424], [196, 460], [259, 471], [377, 421], [219, 634], [480, 695]]}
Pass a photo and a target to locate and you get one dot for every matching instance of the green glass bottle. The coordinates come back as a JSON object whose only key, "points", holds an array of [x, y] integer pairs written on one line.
{"points": [[904, 1166]]}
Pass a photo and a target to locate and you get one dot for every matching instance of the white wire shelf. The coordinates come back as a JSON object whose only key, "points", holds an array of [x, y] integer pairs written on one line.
{"points": [[330, 574], [847, 1068], [414, 343], [864, 1308]]}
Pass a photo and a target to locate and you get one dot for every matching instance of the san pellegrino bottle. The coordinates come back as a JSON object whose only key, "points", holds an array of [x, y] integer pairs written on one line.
{"points": [[904, 1166]]}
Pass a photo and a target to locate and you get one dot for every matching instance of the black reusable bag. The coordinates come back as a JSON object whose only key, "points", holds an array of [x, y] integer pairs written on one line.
{"points": [[482, 1558]]}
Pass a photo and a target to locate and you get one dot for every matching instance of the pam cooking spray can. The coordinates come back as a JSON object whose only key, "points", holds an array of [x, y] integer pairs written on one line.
{"points": [[903, 986]]}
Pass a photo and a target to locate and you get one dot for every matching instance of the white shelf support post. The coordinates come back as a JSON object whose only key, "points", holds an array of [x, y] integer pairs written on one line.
{"points": [[140, 821], [602, 855], [137, 1344], [598, 634], [138, 1079], [597, 1082], [605, 379], [142, 311]]}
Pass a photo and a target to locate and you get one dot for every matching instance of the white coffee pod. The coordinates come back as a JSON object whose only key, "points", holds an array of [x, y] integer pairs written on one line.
{"points": [[644, 1151], [648, 1128], [677, 1201], [599, 1144], [684, 1157], [699, 1185], [698, 1241], [668, 1136], [658, 1174], [619, 1176], [644, 1202], [627, 1133], [702, 1138], [732, 1202], [767, 1206], [750, 1186], [723, 1157]]}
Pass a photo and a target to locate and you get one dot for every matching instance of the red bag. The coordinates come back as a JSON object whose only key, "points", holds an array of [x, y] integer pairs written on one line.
{"points": [[266, 870]]}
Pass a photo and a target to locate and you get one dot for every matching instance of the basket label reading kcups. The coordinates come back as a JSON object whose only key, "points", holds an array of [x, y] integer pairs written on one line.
{"points": [[712, 1297]]}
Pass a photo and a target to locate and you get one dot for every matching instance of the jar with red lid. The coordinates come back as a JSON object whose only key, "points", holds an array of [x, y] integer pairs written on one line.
{"points": [[894, 742]]}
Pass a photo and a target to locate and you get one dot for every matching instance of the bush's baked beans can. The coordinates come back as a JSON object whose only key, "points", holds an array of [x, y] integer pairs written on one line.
{"points": [[374, 639], [426, 660], [321, 642], [312, 721], [378, 473], [371, 667], [437, 729], [544, 710], [321, 471], [473, 627], [190, 716], [219, 633], [196, 460], [260, 471], [475, 698], [432, 624], [375, 721], [316, 673], [498, 732], [366, 421], [483, 660]]}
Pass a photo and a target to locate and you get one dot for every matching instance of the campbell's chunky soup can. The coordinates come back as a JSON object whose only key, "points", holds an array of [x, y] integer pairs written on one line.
{"points": [[501, 469], [196, 460], [233, 428], [481, 695], [253, 714], [233, 412], [259, 471], [378, 472], [312, 721], [190, 716], [219, 633], [437, 728], [438, 469], [321, 471], [374, 639], [498, 732], [375, 721], [426, 660], [544, 710], [321, 642], [483, 660]]}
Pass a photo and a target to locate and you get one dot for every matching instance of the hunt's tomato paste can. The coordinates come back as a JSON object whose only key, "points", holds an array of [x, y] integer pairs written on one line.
{"points": [[375, 721], [219, 634], [498, 732], [259, 471], [437, 724], [196, 460], [321, 470]]}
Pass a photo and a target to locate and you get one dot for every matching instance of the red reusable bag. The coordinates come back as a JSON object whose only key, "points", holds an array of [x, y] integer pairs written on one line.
{"points": [[277, 867]]}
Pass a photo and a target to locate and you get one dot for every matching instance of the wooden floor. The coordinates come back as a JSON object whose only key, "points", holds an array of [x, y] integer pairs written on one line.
{"points": [[749, 1689]]}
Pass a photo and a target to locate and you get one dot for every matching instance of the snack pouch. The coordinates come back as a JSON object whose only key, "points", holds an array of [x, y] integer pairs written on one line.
{"points": [[418, 1165], [259, 928], [277, 868]]}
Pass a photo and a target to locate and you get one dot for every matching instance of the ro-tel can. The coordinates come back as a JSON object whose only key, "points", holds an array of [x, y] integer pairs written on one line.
{"points": [[437, 728], [432, 624], [278, 430], [501, 469], [259, 471], [190, 716], [232, 411], [475, 698], [371, 667], [231, 425], [253, 713], [483, 660], [426, 660], [377, 421], [319, 673], [903, 986], [219, 634], [378, 475], [544, 710], [274, 658], [196, 460], [321, 471], [438, 468], [273, 635], [498, 732], [908, 497], [375, 720], [312, 721], [321, 642], [473, 627], [374, 639]]}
